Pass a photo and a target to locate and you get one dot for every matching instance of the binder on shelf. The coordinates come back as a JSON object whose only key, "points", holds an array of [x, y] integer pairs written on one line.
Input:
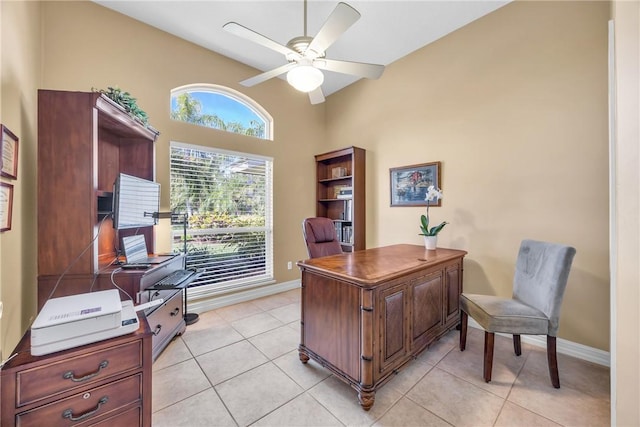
{"points": [[348, 210]]}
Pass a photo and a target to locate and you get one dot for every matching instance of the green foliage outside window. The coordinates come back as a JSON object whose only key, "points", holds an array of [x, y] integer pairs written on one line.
{"points": [[189, 109]]}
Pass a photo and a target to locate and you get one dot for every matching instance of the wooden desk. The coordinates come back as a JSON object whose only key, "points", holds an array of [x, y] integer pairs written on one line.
{"points": [[367, 313]]}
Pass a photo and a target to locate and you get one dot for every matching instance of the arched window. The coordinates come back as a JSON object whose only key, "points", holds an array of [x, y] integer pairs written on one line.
{"points": [[220, 107]]}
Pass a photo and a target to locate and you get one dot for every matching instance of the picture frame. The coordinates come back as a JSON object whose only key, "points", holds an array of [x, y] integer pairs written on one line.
{"points": [[6, 206], [9, 156], [409, 184]]}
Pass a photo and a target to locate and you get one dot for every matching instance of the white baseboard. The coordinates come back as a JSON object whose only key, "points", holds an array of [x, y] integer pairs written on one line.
{"points": [[234, 298], [562, 346], [569, 348]]}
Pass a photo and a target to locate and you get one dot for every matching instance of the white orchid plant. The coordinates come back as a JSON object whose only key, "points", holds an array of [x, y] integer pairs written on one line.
{"points": [[432, 193]]}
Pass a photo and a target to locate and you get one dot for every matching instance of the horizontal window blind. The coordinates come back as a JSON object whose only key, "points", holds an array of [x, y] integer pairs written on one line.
{"points": [[227, 198]]}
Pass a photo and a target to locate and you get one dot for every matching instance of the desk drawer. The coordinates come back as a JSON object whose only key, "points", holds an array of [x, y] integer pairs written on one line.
{"points": [[164, 320], [46, 380], [86, 406]]}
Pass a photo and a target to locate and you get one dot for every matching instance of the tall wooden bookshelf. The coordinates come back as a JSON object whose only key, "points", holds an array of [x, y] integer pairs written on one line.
{"points": [[340, 194]]}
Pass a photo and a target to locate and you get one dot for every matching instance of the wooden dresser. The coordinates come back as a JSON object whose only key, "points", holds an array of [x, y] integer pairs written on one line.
{"points": [[367, 313], [107, 383]]}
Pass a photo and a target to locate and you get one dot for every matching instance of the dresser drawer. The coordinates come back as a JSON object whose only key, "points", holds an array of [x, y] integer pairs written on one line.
{"points": [[47, 380], [86, 406], [127, 418]]}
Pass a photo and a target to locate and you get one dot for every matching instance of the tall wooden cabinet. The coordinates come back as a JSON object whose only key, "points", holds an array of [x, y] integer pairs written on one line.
{"points": [[84, 141], [340, 194]]}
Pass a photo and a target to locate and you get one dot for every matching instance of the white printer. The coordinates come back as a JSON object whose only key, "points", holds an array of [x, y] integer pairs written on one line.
{"points": [[81, 319]]}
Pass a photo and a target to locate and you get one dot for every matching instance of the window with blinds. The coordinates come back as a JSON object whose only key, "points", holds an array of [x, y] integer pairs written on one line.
{"points": [[228, 200]]}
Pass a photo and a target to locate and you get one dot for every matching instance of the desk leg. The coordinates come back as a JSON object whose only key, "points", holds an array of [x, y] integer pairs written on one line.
{"points": [[366, 399], [304, 357]]}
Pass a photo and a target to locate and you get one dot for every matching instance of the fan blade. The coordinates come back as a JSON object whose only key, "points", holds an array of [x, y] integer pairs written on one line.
{"points": [[316, 96], [245, 33], [268, 75], [342, 17], [361, 69]]}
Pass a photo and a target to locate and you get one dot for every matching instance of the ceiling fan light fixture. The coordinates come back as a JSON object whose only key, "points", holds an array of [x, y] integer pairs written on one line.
{"points": [[305, 78]]}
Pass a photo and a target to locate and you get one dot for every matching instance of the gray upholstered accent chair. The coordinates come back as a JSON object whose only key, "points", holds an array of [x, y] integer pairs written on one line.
{"points": [[320, 237], [540, 279]]}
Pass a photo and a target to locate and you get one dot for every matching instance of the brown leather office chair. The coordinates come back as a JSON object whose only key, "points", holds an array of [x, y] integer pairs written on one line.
{"points": [[320, 236]]}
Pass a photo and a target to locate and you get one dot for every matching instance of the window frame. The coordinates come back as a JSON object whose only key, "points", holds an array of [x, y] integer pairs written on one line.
{"points": [[233, 94], [214, 289]]}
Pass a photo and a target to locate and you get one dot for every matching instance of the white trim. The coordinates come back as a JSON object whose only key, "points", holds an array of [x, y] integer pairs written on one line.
{"points": [[569, 348], [237, 297], [613, 226]]}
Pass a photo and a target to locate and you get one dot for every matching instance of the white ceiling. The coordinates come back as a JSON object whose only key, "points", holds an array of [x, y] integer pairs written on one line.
{"points": [[386, 32]]}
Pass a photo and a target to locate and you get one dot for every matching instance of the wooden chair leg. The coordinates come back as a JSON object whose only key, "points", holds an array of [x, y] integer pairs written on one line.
{"points": [[488, 355], [464, 318], [553, 361], [516, 345]]}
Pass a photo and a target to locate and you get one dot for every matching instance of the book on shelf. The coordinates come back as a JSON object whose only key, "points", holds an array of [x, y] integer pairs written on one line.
{"points": [[347, 234], [338, 227], [339, 190]]}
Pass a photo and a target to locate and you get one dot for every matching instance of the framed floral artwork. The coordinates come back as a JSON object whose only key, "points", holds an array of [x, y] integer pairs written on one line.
{"points": [[9, 153], [409, 184]]}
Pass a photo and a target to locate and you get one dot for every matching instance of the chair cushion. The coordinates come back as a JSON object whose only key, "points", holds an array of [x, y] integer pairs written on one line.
{"points": [[322, 230], [496, 314]]}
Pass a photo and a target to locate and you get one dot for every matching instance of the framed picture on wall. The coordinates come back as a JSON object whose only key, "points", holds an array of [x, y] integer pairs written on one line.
{"points": [[6, 205], [409, 184], [9, 153]]}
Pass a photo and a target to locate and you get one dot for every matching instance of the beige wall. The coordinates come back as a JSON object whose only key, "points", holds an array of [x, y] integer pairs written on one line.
{"points": [[516, 98], [626, 214], [20, 74], [514, 105]]}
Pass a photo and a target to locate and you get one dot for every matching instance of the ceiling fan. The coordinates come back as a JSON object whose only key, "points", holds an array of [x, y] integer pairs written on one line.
{"points": [[306, 55]]}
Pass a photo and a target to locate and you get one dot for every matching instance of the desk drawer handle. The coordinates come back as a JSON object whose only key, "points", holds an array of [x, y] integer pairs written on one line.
{"points": [[175, 311], [70, 375], [69, 413], [157, 331]]}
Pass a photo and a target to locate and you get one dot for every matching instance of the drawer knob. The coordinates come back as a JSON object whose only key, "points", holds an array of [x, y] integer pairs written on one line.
{"points": [[69, 412], [175, 311], [69, 375], [157, 330]]}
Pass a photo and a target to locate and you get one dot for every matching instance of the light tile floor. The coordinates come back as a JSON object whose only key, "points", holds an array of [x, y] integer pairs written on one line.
{"points": [[239, 366]]}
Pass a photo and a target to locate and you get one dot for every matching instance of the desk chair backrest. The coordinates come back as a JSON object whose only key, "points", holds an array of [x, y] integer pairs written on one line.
{"points": [[320, 237], [542, 270]]}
